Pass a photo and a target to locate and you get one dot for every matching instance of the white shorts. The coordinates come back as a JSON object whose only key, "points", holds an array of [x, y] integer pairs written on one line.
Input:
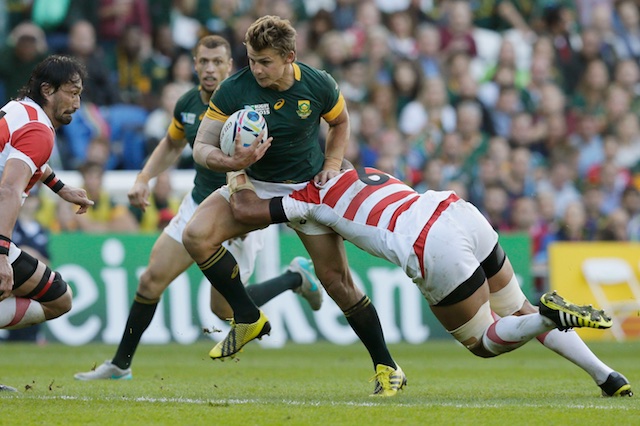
{"points": [[268, 190], [245, 250], [457, 242]]}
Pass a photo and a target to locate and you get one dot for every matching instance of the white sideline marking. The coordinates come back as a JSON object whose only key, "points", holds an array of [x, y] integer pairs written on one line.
{"points": [[197, 401]]}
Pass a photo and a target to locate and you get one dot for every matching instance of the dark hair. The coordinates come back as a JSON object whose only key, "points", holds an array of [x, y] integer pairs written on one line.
{"points": [[55, 70], [211, 42]]}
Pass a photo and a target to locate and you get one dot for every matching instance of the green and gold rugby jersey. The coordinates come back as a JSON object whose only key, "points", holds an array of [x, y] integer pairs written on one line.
{"points": [[187, 116], [293, 119]]}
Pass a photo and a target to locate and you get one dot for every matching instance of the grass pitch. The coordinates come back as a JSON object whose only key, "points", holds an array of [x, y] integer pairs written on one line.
{"points": [[319, 384]]}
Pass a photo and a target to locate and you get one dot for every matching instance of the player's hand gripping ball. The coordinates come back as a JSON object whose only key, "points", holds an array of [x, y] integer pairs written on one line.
{"points": [[248, 123]]}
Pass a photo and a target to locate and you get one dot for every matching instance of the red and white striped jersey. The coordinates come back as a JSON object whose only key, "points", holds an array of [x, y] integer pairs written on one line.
{"points": [[376, 212], [26, 133]]}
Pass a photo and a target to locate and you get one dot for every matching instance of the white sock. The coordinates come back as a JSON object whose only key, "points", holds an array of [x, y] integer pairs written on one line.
{"points": [[20, 312], [511, 332], [569, 345]]}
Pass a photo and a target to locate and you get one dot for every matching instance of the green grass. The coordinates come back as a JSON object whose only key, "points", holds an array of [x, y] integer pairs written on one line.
{"points": [[321, 384]]}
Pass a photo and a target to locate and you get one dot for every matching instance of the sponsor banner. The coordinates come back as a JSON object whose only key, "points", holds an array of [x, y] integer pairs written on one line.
{"points": [[103, 272], [612, 266]]}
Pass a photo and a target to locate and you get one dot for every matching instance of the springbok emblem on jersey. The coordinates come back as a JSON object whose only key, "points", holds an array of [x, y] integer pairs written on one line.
{"points": [[304, 108]]}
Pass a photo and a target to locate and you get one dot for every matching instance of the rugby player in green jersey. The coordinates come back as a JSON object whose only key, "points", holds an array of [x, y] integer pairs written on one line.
{"points": [[168, 259], [293, 98]]}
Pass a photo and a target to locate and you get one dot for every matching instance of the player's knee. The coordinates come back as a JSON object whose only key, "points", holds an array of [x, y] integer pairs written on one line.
{"points": [[471, 333], [191, 239], [151, 284]]}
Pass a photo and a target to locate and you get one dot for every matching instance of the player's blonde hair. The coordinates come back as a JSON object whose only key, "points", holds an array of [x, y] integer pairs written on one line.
{"points": [[272, 32]]}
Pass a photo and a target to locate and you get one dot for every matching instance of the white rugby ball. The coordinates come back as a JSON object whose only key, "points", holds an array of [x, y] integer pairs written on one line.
{"points": [[248, 122]]}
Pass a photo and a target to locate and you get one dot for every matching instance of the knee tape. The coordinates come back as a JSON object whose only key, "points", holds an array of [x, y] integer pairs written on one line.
{"points": [[470, 333], [509, 299], [50, 287]]}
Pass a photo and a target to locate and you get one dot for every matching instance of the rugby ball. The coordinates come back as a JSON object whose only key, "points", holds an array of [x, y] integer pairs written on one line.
{"points": [[248, 123]]}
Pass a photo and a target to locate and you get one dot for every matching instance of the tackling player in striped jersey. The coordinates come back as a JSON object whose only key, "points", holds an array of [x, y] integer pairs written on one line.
{"points": [[30, 292], [451, 253]]}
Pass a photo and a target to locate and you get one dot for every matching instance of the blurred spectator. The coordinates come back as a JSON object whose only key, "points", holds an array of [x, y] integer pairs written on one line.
{"points": [[614, 227], [106, 216], [407, 81], [162, 56], [524, 216], [367, 19], [378, 57], [130, 69], [626, 74], [217, 16], [318, 25], [383, 98], [456, 35], [588, 142], [559, 23], [507, 105], [631, 203], [468, 92], [594, 47], [26, 47], [628, 35], [334, 50], [451, 154], [402, 41], [181, 70], [627, 132], [116, 17], [570, 228], [496, 207], [559, 184], [430, 177], [369, 127], [98, 87], [617, 103], [430, 112], [487, 174], [475, 142], [591, 90], [520, 180], [457, 70], [354, 84], [428, 50], [593, 200]]}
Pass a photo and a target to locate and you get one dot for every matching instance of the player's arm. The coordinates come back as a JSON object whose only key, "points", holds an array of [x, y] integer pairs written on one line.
{"points": [[207, 152], [70, 194], [15, 178], [336, 145], [250, 209], [164, 155]]}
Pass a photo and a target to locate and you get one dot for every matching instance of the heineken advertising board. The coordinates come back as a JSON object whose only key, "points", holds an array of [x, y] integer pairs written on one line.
{"points": [[103, 272]]}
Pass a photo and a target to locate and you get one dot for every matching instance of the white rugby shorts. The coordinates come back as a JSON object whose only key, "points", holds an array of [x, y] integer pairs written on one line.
{"points": [[457, 242]]}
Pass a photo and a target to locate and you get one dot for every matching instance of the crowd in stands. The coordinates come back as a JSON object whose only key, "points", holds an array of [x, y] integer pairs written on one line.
{"points": [[527, 108]]}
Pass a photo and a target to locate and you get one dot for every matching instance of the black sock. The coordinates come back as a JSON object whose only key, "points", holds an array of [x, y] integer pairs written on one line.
{"points": [[140, 316], [364, 320], [223, 272], [262, 292]]}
